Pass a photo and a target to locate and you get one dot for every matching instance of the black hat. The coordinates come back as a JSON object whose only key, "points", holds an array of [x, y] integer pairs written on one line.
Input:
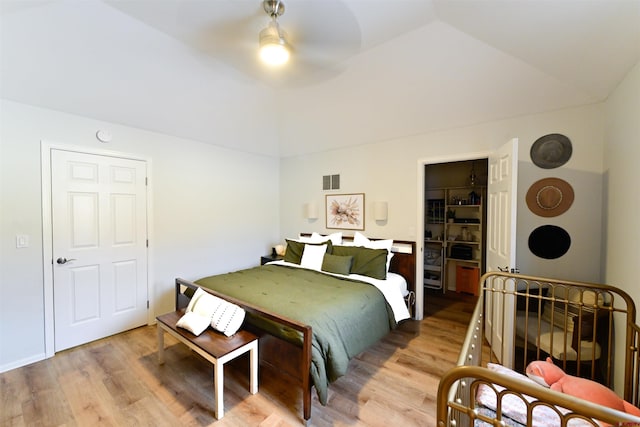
{"points": [[549, 241]]}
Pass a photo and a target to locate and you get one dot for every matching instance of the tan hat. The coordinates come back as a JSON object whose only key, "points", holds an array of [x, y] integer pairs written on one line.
{"points": [[550, 197]]}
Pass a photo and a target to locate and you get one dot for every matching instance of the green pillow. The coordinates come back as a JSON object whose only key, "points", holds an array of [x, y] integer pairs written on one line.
{"points": [[295, 249], [366, 262], [337, 264]]}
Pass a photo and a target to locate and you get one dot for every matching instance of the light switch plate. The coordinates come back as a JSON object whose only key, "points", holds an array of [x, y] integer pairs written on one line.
{"points": [[22, 241]]}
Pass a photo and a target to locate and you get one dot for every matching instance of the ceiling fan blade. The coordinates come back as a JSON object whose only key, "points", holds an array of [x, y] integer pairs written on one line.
{"points": [[313, 30]]}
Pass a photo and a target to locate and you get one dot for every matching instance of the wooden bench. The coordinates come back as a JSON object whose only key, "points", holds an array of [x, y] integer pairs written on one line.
{"points": [[214, 347]]}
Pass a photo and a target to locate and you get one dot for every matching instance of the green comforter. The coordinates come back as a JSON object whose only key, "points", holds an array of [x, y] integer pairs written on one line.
{"points": [[346, 316]]}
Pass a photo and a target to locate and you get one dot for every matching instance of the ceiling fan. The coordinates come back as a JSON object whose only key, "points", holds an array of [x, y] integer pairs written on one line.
{"points": [[274, 49], [320, 35]]}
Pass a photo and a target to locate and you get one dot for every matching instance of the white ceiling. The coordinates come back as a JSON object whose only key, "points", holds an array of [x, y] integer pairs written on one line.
{"points": [[362, 71]]}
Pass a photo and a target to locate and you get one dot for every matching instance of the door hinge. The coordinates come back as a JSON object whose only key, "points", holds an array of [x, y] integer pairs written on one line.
{"points": [[147, 242], [147, 304], [146, 181]]}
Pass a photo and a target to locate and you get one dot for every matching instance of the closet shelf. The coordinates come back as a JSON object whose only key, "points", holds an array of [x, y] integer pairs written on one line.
{"points": [[466, 230]]}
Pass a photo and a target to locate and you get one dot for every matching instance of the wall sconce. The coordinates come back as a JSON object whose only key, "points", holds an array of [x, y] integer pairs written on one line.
{"points": [[380, 211], [311, 210]]}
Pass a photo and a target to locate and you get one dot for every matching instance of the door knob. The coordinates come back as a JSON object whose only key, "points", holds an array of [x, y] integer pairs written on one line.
{"points": [[64, 260]]}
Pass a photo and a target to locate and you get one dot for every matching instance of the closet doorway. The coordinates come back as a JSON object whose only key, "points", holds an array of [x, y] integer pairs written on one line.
{"points": [[455, 231]]}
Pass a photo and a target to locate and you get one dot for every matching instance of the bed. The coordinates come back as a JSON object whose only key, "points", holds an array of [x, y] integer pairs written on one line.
{"points": [[312, 319], [572, 323]]}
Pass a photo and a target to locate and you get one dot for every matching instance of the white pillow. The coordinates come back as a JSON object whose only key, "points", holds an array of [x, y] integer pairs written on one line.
{"points": [[222, 315], [312, 256], [360, 239], [336, 238], [202, 303], [193, 323], [227, 318], [389, 256], [197, 317]]}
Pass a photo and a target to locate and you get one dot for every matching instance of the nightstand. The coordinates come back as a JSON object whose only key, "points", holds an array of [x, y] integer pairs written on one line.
{"points": [[268, 258]]}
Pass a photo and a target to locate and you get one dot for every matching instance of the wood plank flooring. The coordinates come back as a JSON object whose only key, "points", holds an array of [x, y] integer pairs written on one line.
{"points": [[117, 381]]}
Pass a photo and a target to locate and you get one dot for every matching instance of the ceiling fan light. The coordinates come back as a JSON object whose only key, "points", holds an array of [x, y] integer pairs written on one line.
{"points": [[274, 54], [273, 45]]}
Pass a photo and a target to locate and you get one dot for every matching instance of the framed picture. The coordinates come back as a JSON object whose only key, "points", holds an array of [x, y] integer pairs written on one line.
{"points": [[345, 211]]}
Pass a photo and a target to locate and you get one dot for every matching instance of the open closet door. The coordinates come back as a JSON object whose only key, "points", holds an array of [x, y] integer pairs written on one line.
{"points": [[501, 246]]}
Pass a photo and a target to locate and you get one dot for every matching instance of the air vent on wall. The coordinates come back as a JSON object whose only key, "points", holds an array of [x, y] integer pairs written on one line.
{"points": [[331, 182]]}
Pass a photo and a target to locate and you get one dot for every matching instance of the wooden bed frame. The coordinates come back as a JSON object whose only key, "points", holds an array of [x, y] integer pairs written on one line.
{"points": [[456, 401], [292, 360]]}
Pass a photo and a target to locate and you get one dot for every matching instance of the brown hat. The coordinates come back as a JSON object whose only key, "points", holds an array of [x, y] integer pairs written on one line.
{"points": [[550, 197]]}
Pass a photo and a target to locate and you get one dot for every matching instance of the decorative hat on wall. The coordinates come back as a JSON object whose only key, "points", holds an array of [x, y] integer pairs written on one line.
{"points": [[551, 151], [549, 241], [550, 197]]}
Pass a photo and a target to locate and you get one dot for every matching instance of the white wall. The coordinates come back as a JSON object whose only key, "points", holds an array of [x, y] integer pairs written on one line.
{"points": [[214, 210], [622, 175], [389, 171]]}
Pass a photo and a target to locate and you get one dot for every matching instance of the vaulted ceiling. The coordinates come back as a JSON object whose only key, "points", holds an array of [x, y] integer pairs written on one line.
{"points": [[362, 70]]}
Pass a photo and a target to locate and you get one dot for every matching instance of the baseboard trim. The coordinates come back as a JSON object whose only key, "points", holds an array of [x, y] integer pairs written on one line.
{"points": [[22, 362]]}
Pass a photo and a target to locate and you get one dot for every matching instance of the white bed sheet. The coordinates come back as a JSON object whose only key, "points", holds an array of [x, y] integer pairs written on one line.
{"points": [[393, 288]]}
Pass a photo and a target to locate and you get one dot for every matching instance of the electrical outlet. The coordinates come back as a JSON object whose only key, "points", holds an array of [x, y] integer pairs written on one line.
{"points": [[22, 241]]}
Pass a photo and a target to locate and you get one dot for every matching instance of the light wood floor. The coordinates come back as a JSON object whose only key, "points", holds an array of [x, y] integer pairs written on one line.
{"points": [[118, 382]]}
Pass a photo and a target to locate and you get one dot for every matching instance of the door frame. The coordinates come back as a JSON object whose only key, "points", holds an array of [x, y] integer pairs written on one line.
{"points": [[47, 232], [420, 221]]}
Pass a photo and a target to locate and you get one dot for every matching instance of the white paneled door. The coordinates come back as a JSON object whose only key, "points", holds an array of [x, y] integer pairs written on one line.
{"points": [[501, 246], [99, 223]]}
